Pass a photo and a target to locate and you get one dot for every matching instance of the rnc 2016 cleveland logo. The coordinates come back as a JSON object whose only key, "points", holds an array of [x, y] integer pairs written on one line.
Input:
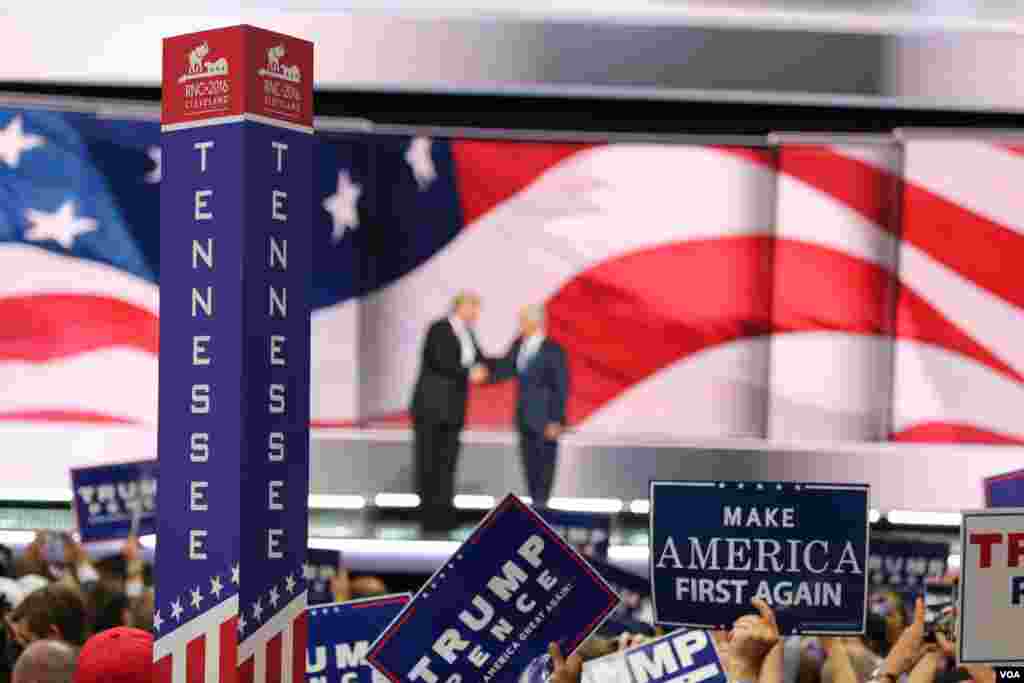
{"points": [[207, 89], [281, 94]]}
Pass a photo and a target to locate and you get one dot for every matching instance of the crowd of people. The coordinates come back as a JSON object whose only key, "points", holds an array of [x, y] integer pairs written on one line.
{"points": [[85, 621], [896, 648], [90, 622]]}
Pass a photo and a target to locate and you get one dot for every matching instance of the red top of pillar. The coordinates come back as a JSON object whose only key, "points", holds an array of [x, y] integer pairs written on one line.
{"points": [[234, 71]]}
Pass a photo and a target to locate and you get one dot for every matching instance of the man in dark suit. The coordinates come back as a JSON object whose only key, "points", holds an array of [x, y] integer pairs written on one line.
{"points": [[540, 365], [451, 359]]}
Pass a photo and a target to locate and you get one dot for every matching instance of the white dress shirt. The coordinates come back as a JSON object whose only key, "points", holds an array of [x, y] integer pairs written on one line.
{"points": [[465, 341], [527, 349]]}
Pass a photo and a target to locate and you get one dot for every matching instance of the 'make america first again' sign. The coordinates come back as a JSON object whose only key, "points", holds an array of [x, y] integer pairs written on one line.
{"points": [[801, 548], [235, 261]]}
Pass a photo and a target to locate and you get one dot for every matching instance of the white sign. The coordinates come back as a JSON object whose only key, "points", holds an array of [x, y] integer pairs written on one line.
{"points": [[992, 587], [683, 656]]}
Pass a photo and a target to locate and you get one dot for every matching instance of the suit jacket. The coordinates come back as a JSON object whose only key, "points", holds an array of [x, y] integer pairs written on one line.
{"points": [[443, 384], [543, 384]]}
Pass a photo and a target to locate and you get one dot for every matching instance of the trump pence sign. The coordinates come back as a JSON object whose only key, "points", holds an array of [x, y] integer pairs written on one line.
{"points": [[992, 587], [511, 589]]}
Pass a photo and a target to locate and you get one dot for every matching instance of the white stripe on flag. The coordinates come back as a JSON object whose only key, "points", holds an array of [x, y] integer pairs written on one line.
{"points": [[259, 665], [213, 655], [256, 642], [214, 617], [286, 652], [179, 661]]}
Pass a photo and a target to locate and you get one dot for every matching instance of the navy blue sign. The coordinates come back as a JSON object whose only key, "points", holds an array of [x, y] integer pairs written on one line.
{"points": [[679, 656], [802, 548], [588, 532], [340, 635], [905, 565], [111, 500], [321, 566], [511, 589], [1005, 490], [235, 256]]}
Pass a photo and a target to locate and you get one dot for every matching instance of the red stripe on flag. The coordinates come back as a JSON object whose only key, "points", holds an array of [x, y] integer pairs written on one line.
{"points": [[247, 671], [951, 432], [229, 649], [60, 415], [870, 191], [491, 171], [163, 670], [48, 326], [300, 635], [195, 656], [273, 660]]}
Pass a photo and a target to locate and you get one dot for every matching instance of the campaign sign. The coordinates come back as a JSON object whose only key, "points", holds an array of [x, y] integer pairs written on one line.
{"points": [[511, 589], [800, 547], [340, 635], [110, 499], [688, 656], [321, 566], [905, 565], [992, 587], [1005, 490], [588, 532]]}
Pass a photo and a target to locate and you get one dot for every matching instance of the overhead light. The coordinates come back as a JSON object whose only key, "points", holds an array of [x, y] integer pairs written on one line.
{"points": [[608, 505], [9, 537], [640, 507], [36, 495], [148, 541], [526, 499], [330, 501], [874, 516], [954, 560], [465, 501], [916, 518], [628, 553], [396, 500]]}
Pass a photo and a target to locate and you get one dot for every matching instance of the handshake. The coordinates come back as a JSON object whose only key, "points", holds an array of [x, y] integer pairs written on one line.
{"points": [[479, 374]]}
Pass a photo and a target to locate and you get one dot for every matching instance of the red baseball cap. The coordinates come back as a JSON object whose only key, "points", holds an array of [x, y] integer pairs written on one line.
{"points": [[118, 655]]}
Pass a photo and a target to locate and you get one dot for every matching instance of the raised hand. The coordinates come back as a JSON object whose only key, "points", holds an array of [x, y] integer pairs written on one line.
{"points": [[566, 670]]}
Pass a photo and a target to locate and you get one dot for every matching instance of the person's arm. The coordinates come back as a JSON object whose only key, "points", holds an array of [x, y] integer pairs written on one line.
{"points": [[752, 639], [135, 568], [565, 670], [561, 381], [503, 368], [905, 653], [927, 666], [435, 358], [835, 651]]}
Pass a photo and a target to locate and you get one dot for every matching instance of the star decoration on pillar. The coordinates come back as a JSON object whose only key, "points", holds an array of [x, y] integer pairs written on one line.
{"points": [[421, 162], [289, 584], [275, 597], [157, 620], [176, 610], [61, 226], [14, 142], [257, 610], [234, 574], [241, 622], [197, 598], [342, 206], [216, 587], [156, 174]]}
